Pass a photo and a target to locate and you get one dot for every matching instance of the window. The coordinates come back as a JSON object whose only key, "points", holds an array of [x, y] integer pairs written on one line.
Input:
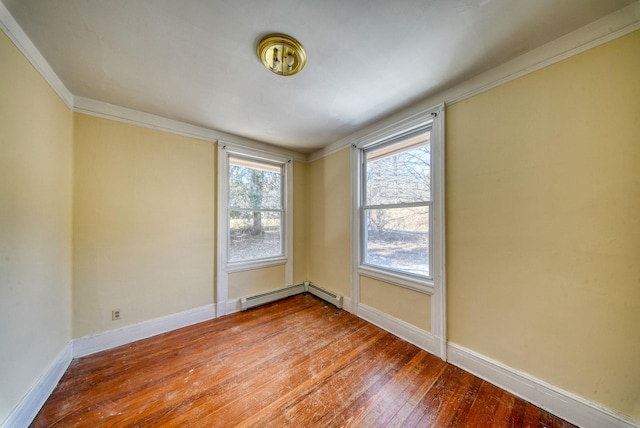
{"points": [[255, 219], [398, 219], [399, 205], [396, 200], [256, 210], [255, 216]]}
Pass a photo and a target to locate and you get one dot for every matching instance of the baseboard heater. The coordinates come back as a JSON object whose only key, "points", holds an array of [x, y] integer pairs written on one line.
{"points": [[273, 295]]}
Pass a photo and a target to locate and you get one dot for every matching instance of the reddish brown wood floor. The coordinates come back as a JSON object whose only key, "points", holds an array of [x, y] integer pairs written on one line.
{"points": [[294, 363]]}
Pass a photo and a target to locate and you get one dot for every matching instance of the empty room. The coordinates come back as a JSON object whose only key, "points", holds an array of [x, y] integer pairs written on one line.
{"points": [[278, 213]]}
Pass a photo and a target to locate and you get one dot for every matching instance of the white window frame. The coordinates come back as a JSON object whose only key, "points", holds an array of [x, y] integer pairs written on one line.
{"points": [[224, 267], [434, 284], [409, 280]]}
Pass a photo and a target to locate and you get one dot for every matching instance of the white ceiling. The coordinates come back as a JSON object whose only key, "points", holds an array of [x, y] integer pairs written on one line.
{"points": [[195, 61]]}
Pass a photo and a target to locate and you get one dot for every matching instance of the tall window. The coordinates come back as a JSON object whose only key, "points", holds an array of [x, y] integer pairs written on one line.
{"points": [[398, 215], [255, 194], [396, 203], [255, 216], [256, 209]]}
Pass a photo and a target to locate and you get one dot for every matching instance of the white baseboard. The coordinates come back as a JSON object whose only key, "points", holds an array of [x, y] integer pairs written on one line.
{"points": [[24, 413], [110, 339], [347, 304], [412, 334], [569, 406], [231, 306]]}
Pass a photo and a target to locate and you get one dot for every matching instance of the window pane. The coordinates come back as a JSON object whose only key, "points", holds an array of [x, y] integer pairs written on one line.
{"points": [[398, 238], [400, 173], [254, 235], [254, 185]]}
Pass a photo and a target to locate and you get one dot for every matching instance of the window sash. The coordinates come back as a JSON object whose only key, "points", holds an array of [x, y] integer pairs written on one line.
{"points": [[364, 207], [235, 250], [385, 239], [398, 138], [260, 164], [398, 205]]}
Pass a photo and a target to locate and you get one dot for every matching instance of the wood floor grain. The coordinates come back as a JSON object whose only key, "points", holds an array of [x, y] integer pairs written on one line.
{"points": [[298, 362]]}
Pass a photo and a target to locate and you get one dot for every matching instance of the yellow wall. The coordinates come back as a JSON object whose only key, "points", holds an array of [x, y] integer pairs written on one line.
{"points": [[35, 225], [543, 224], [249, 282], [300, 223], [330, 222], [402, 303], [143, 224]]}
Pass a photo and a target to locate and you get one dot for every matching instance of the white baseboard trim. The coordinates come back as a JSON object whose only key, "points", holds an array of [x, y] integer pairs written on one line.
{"points": [[231, 306], [569, 406], [24, 413], [91, 344], [412, 334], [347, 304]]}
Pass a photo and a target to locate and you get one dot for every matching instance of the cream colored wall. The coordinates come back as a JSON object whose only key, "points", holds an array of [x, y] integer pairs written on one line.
{"points": [[330, 222], [143, 224], [300, 223], [35, 226], [402, 303], [543, 224], [247, 283]]}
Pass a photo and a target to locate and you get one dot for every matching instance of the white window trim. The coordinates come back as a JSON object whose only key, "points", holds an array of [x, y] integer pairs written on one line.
{"points": [[224, 268], [435, 285], [425, 286]]}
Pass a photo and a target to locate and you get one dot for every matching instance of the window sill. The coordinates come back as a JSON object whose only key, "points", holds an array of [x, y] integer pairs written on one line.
{"points": [[425, 286], [254, 264]]}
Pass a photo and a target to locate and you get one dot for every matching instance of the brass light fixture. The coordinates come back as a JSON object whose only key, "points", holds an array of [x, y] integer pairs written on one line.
{"points": [[282, 54]]}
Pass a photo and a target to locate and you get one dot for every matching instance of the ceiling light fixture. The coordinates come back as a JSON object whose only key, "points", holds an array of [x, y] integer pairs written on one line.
{"points": [[282, 54]]}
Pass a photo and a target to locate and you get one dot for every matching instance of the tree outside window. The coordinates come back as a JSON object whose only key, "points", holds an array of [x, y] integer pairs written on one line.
{"points": [[255, 210], [396, 204]]}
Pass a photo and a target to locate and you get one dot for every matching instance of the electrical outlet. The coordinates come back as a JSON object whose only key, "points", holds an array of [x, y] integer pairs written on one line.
{"points": [[115, 314]]}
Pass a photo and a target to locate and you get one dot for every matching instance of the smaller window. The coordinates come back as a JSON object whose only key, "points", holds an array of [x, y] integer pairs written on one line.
{"points": [[396, 204], [256, 210]]}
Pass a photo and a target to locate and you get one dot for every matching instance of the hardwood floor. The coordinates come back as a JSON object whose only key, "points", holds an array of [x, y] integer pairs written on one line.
{"points": [[298, 362]]}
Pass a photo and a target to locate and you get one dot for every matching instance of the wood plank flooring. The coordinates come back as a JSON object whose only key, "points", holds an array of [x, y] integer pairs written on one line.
{"points": [[298, 362]]}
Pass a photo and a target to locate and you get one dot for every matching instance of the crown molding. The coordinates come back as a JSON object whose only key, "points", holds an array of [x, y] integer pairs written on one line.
{"points": [[19, 38], [104, 110], [610, 27], [109, 111], [605, 29], [135, 117]]}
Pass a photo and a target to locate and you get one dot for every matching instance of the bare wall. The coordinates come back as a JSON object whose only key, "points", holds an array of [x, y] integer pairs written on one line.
{"points": [[329, 220], [543, 224], [143, 224], [35, 226]]}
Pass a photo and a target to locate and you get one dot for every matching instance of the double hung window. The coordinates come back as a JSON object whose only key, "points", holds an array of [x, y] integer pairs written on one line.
{"points": [[396, 204], [399, 205], [256, 210], [398, 215], [255, 216]]}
